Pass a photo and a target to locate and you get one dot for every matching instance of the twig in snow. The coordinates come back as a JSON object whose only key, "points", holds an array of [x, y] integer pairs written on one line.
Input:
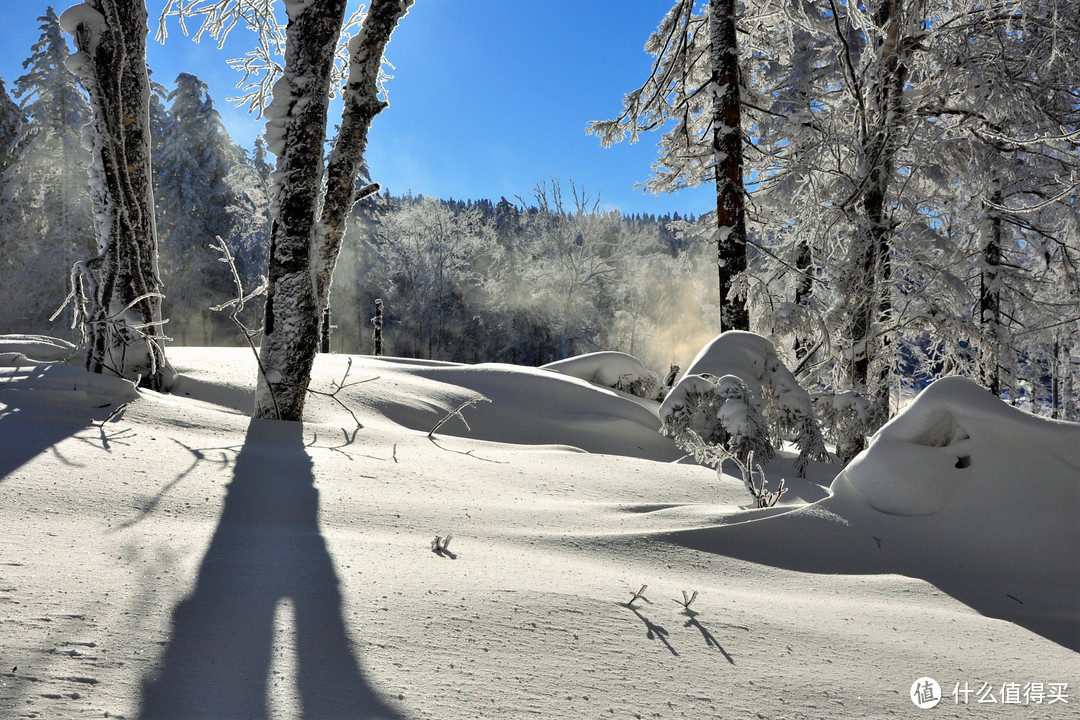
{"points": [[440, 546], [119, 409], [686, 601], [457, 412], [236, 305], [341, 386], [639, 595]]}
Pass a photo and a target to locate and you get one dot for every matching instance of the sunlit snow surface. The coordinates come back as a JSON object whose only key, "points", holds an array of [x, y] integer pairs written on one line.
{"points": [[171, 558]]}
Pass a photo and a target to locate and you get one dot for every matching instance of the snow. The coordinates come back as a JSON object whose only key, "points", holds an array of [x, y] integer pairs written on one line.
{"points": [[743, 354], [175, 559], [95, 25], [943, 439], [84, 14], [611, 369], [294, 8], [277, 114]]}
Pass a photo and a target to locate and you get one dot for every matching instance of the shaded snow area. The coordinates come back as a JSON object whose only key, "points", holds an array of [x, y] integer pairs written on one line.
{"points": [[163, 556]]}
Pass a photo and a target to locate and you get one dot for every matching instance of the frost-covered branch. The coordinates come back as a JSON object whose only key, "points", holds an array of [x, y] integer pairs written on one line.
{"points": [[753, 478], [236, 305], [262, 66]]}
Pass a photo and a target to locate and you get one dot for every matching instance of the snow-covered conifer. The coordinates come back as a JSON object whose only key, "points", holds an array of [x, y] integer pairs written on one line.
{"points": [[48, 226], [13, 122], [194, 198], [695, 84]]}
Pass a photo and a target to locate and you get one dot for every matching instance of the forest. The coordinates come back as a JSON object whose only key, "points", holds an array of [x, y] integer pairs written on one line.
{"points": [[907, 186]]}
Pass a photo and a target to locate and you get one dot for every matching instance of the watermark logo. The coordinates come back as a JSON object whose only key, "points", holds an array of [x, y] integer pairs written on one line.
{"points": [[925, 693]]}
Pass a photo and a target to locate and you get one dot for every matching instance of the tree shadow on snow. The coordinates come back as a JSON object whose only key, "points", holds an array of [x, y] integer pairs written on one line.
{"points": [[44, 404], [267, 548]]}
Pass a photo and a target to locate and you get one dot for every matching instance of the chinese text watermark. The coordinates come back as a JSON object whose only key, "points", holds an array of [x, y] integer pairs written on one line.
{"points": [[926, 693]]}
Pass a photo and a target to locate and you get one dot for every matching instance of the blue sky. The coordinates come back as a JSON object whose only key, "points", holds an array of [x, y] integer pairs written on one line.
{"points": [[489, 97]]}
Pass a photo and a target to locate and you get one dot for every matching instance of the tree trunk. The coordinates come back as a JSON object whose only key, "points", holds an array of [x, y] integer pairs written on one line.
{"points": [[302, 252], [1068, 410], [324, 335], [1055, 379], [990, 302], [362, 104], [727, 142], [377, 321], [123, 309], [870, 337], [804, 289], [291, 319]]}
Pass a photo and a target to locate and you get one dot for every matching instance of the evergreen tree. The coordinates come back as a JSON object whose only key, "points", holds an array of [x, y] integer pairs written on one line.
{"points": [[13, 129], [160, 126], [55, 159], [259, 161], [193, 199], [49, 225], [13, 126]]}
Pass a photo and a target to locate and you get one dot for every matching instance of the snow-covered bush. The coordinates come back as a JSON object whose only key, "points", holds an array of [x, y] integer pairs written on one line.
{"points": [[615, 370], [846, 419], [718, 412], [738, 394]]}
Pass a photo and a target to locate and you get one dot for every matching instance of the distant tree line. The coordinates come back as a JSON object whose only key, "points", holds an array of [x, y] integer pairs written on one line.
{"points": [[528, 281]]}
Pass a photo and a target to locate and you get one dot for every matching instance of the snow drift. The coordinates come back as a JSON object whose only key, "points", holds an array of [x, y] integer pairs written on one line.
{"points": [[961, 490], [163, 555], [529, 406], [959, 445]]}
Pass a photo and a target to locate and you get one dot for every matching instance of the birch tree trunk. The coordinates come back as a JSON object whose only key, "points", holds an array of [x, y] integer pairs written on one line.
{"points": [[298, 130], [304, 249], [120, 288], [362, 104]]}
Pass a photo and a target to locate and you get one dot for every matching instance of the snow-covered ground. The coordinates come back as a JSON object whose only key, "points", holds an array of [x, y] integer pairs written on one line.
{"points": [[175, 559]]}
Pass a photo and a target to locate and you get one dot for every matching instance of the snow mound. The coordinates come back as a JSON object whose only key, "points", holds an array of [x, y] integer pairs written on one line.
{"points": [[616, 370], [962, 490], [529, 406], [35, 347], [958, 444], [41, 375], [743, 354]]}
